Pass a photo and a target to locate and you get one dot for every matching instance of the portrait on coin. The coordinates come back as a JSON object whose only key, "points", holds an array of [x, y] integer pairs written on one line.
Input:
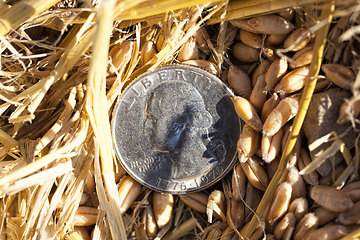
{"points": [[177, 126]]}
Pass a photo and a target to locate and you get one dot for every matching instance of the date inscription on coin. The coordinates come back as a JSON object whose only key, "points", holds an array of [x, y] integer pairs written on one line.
{"points": [[175, 129]]}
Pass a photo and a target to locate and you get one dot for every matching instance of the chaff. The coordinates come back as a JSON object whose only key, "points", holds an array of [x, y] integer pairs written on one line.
{"points": [[336, 146]]}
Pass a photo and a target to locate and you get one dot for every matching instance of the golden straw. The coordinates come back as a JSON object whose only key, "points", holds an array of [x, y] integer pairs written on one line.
{"points": [[247, 8], [22, 11], [353, 235], [7, 140], [158, 7]]}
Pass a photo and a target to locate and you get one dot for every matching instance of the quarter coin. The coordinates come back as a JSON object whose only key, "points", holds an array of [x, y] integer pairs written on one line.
{"points": [[175, 129]]}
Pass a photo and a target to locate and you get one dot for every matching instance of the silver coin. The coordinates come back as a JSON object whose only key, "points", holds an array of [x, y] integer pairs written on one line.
{"points": [[175, 130]]}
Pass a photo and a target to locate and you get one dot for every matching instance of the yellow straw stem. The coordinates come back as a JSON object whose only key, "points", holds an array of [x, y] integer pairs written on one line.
{"points": [[353, 235], [159, 7], [248, 8], [75, 236], [22, 11], [326, 16], [7, 140], [182, 230]]}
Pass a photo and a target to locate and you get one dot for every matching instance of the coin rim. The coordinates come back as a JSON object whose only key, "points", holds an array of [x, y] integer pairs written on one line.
{"points": [[227, 90]]}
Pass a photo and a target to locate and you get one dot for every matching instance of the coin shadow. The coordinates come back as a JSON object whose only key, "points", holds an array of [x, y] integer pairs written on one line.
{"points": [[223, 138]]}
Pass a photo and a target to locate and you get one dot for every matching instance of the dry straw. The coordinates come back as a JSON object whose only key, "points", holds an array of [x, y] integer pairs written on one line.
{"points": [[12, 17], [243, 9]]}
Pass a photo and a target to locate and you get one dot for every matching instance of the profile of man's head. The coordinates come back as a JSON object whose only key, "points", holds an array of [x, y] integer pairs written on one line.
{"points": [[174, 110]]}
